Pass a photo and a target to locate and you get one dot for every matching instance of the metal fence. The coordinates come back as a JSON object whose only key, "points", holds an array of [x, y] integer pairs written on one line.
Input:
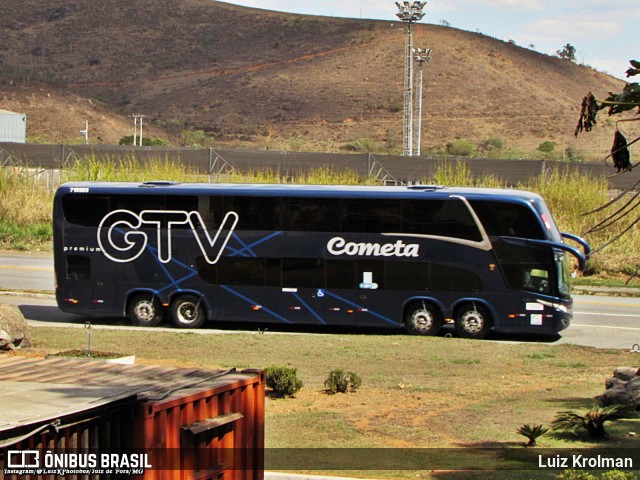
{"points": [[216, 163]]}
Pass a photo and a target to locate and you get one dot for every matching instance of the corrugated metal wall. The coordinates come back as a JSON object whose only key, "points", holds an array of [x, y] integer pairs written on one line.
{"points": [[193, 423]]}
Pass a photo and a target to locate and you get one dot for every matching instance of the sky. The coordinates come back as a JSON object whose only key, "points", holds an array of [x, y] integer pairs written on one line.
{"points": [[603, 32]]}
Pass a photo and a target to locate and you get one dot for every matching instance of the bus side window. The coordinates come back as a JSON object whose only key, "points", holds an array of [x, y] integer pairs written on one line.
{"points": [[85, 210], [452, 279], [303, 272], [341, 274], [508, 219], [311, 214], [256, 213], [444, 218], [407, 276], [371, 216]]}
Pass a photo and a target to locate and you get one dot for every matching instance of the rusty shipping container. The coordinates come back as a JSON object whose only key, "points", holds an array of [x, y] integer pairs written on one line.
{"points": [[190, 423]]}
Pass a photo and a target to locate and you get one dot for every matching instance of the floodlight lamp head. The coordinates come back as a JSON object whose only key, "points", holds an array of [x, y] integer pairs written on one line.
{"points": [[410, 12]]}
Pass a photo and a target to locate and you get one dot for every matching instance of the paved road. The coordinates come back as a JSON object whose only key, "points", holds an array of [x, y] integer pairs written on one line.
{"points": [[606, 322], [26, 271], [602, 322]]}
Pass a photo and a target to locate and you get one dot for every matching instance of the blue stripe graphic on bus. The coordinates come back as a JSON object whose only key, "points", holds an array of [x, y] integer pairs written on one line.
{"points": [[309, 309], [249, 248], [251, 302], [174, 283], [348, 302]]}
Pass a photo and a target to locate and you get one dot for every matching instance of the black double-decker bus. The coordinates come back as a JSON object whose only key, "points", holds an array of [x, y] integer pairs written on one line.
{"points": [[400, 257]]}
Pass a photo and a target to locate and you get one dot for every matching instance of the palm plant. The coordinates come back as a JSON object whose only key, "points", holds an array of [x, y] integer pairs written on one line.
{"points": [[532, 433], [592, 420]]}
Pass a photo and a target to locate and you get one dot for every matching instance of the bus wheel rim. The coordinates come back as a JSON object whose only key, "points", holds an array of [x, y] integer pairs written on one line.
{"points": [[472, 322], [187, 313], [421, 320], [145, 310]]}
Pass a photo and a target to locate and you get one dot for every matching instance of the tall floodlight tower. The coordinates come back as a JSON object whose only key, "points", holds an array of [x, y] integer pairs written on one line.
{"points": [[409, 13], [421, 55]]}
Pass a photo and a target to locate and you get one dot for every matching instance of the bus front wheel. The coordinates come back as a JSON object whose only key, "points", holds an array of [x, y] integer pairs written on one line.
{"points": [[473, 321], [422, 319], [145, 310], [187, 312]]}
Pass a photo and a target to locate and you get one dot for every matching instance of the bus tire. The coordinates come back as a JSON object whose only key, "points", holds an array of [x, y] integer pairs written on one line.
{"points": [[145, 310], [422, 318], [187, 312], [472, 321]]}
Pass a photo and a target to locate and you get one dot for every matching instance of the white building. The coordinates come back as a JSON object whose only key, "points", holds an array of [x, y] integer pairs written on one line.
{"points": [[13, 127]]}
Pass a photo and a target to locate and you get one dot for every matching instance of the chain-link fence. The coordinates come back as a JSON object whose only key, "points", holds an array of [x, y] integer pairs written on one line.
{"points": [[216, 163]]}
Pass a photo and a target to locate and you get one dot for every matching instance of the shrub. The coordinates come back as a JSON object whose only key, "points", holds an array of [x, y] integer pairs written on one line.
{"points": [[618, 475], [547, 147], [576, 475], [582, 475], [146, 142], [361, 145], [283, 380], [339, 381], [461, 148], [492, 144]]}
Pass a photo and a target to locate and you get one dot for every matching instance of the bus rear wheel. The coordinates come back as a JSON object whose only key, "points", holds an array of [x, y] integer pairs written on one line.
{"points": [[145, 310], [473, 321], [187, 312], [422, 319]]}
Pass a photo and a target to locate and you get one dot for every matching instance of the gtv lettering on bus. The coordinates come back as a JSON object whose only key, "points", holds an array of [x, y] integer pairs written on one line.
{"points": [[121, 240], [339, 246]]}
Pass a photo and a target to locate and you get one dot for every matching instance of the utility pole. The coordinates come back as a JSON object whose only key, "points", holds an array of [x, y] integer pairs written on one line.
{"points": [[85, 132], [137, 139], [409, 13]]}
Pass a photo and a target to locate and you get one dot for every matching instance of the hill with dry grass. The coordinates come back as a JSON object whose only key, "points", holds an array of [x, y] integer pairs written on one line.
{"points": [[255, 78]]}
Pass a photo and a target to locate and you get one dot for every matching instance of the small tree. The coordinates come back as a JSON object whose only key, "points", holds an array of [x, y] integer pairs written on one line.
{"points": [[547, 148], [617, 103], [568, 52]]}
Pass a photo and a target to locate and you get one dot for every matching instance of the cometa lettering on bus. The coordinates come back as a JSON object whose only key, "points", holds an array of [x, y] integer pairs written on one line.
{"points": [[339, 246]]}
